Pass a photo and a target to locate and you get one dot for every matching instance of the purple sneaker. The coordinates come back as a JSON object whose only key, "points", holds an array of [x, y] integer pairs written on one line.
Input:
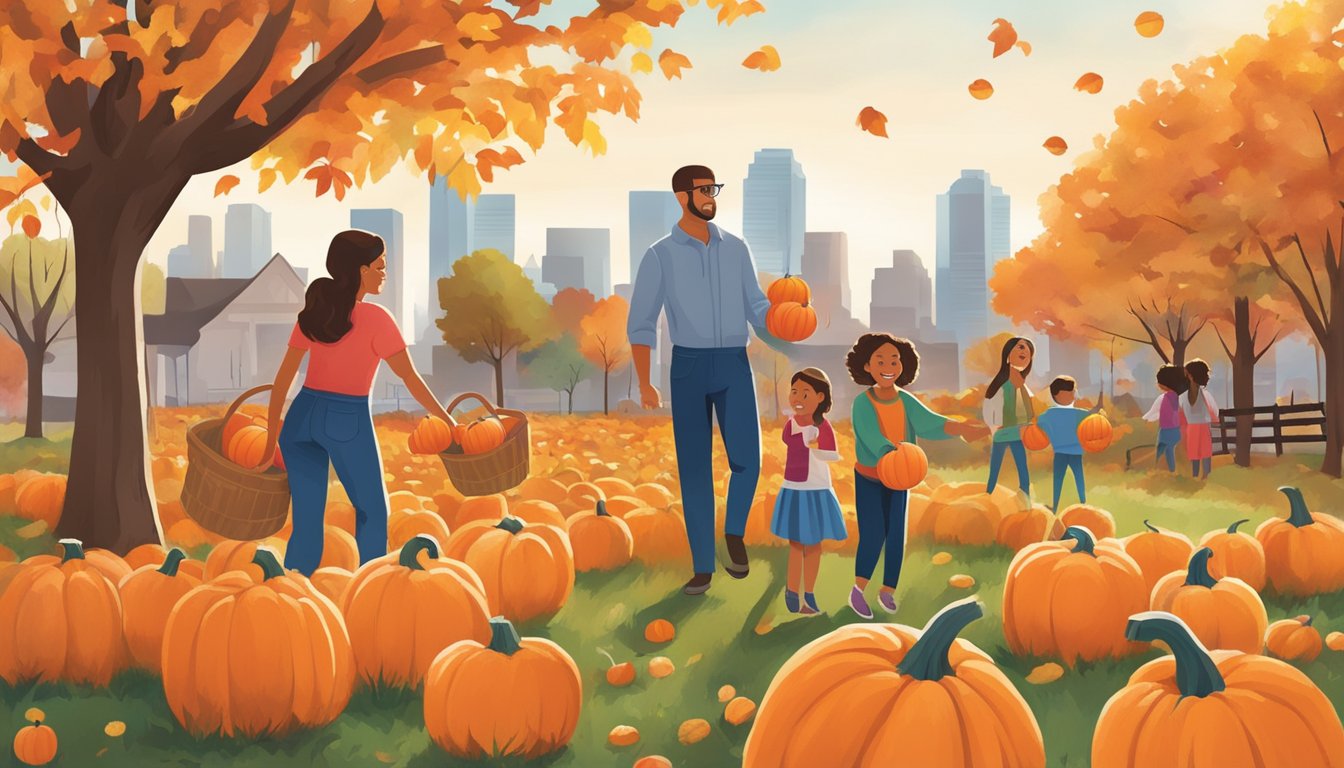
{"points": [[858, 604], [887, 601]]}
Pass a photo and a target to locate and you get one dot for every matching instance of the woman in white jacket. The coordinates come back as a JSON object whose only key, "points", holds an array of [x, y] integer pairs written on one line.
{"points": [[1008, 408]]}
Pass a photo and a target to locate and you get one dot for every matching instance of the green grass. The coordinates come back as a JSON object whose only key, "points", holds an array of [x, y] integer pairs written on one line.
{"points": [[609, 611]]}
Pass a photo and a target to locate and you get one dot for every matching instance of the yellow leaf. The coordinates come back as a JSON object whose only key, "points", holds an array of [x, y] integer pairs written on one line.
{"points": [[32, 530], [100, 752], [267, 179], [961, 581], [593, 136], [1056, 146], [672, 63], [480, 26], [873, 122], [694, 658], [1089, 83], [46, 202], [225, 184], [34, 715], [1149, 24], [1003, 36], [19, 210], [1045, 673], [641, 62], [638, 35], [766, 59], [115, 728], [981, 89], [942, 558]]}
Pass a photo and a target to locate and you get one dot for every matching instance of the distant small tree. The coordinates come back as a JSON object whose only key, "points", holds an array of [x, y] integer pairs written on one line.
{"points": [[39, 312], [604, 341], [558, 365]]}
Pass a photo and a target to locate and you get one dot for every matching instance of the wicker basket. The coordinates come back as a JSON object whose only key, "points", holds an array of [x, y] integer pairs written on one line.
{"points": [[225, 498], [499, 470]]}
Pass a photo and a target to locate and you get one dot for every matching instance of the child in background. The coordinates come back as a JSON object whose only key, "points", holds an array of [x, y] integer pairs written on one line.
{"points": [[883, 415], [1199, 409], [1060, 423], [806, 510], [1166, 411]]}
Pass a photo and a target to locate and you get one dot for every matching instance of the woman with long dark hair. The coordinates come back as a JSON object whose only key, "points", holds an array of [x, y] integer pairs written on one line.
{"points": [[1008, 408], [330, 421]]}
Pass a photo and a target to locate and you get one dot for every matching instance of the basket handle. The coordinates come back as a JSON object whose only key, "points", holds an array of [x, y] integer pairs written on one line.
{"points": [[489, 406], [236, 404]]}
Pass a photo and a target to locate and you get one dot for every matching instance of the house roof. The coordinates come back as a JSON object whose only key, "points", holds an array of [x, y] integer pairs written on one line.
{"points": [[191, 303]]}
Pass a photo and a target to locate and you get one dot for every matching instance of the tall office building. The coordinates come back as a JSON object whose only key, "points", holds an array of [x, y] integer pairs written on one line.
{"points": [[182, 262], [534, 273], [247, 240], [652, 216], [902, 297], [578, 257], [774, 211], [494, 224], [826, 270], [973, 234], [387, 224], [452, 222], [201, 241]]}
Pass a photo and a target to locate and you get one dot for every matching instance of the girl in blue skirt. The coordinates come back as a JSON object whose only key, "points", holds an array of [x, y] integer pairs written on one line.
{"points": [[806, 510]]}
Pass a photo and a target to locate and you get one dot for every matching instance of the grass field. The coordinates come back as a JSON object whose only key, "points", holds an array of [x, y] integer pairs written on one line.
{"points": [[738, 634]]}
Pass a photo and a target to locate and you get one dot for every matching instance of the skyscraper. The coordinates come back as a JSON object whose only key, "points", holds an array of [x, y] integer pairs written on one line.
{"points": [[578, 257], [200, 240], [901, 296], [973, 234], [533, 271], [774, 211], [826, 270], [652, 216], [452, 222], [494, 225], [387, 224], [247, 240], [182, 263]]}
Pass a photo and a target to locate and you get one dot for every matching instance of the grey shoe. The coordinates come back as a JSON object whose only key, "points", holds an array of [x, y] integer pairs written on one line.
{"points": [[698, 585]]}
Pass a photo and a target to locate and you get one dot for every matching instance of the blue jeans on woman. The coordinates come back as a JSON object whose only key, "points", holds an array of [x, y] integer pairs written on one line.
{"points": [[881, 514], [324, 429], [1167, 438], [1019, 458]]}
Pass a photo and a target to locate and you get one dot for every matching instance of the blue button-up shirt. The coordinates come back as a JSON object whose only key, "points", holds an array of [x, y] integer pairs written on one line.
{"points": [[710, 291]]}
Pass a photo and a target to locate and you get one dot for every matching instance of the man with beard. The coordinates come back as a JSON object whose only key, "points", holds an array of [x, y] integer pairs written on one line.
{"points": [[705, 280]]}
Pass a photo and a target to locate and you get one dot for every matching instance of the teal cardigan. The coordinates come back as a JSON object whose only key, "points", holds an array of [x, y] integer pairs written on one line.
{"points": [[871, 444]]}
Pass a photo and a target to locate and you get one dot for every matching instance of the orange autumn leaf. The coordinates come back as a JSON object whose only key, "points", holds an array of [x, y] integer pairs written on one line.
{"points": [[1056, 146], [766, 59], [732, 10], [32, 226], [488, 159], [1090, 83], [225, 184], [1025, 47], [1149, 23], [981, 89], [872, 121], [1003, 36], [672, 63]]}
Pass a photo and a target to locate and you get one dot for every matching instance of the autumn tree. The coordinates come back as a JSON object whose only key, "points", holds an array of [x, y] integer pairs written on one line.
{"points": [[37, 314], [568, 308], [118, 105], [984, 357], [604, 341], [558, 365]]}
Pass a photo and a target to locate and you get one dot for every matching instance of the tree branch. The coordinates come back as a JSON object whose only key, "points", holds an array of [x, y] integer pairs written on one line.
{"points": [[1310, 273], [1308, 312], [401, 64], [57, 334], [1262, 352], [40, 160], [1152, 336], [1324, 140], [1230, 355], [12, 307]]}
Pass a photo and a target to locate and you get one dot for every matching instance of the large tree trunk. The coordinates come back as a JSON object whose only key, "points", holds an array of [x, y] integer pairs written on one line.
{"points": [[1334, 392], [1243, 376], [33, 427]]}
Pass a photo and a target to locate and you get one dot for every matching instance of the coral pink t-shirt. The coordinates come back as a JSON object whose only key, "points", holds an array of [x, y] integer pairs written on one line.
{"points": [[347, 367]]}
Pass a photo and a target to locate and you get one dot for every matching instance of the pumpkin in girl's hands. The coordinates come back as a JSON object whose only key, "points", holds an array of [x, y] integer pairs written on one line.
{"points": [[1294, 639], [1095, 433], [791, 321], [1222, 613], [431, 435], [903, 467], [1304, 554], [1236, 553], [482, 436], [789, 288], [1158, 553]]}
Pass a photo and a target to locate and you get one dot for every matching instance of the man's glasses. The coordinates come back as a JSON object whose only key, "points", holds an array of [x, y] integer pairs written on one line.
{"points": [[708, 190]]}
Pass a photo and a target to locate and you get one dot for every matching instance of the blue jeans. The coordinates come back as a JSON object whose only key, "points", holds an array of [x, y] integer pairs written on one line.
{"points": [[1166, 445], [1063, 463], [707, 383], [327, 429], [1019, 458], [881, 514]]}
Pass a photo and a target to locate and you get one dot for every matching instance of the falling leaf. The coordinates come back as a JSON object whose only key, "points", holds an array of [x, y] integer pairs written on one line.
{"points": [[695, 657], [1025, 47], [115, 728], [961, 581], [764, 626], [1149, 23], [32, 226], [942, 558], [100, 752], [1090, 83], [672, 63], [1003, 36], [225, 184], [598, 144], [872, 121], [266, 179], [34, 715], [46, 202], [1056, 145], [732, 11], [766, 59], [32, 530], [981, 89], [641, 62], [384, 757], [1045, 673]]}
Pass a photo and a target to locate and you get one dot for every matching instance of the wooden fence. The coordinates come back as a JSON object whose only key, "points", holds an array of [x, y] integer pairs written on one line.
{"points": [[1275, 418]]}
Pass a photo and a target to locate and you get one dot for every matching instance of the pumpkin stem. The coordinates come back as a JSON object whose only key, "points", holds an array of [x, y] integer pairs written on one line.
{"points": [[1304, 620], [1233, 527], [1196, 673], [511, 524], [602, 509], [1197, 575], [265, 560], [410, 551], [608, 655], [74, 549], [927, 659], [170, 563], [503, 637], [1150, 527], [1084, 538], [1297, 507]]}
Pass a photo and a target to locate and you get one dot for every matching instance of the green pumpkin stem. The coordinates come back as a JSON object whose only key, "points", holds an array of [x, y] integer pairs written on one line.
{"points": [[511, 524], [411, 550], [1298, 514], [1233, 527], [1150, 527], [170, 563], [1086, 541], [1197, 575], [1196, 673], [73, 549], [602, 509], [270, 566], [927, 659], [503, 637]]}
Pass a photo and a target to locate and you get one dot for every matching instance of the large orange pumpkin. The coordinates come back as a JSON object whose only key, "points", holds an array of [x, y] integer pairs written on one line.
{"points": [[469, 714], [403, 609], [339, 549], [490, 509], [789, 288], [146, 554], [231, 555], [1223, 613], [970, 520], [1095, 433], [1070, 599], [1034, 438], [1304, 554], [332, 582], [35, 744], [1096, 520], [791, 321], [928, 698], [903, 467], [1236, 553], [60, 619], [41, 498], [601, 542], [431, 435], [1293, 639], [1027, 526], [538, 512], [659, 535], [147, 597], [1197, 707], [527, 570], [483, 435], [105, 561], [1158, 552], [232, 643]]}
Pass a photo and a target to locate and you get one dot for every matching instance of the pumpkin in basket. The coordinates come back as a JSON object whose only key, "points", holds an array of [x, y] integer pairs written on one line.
{"points": [[247, 446], [431, 435], [482, 435]]}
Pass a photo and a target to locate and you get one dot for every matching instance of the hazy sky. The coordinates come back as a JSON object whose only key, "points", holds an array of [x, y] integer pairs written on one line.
{"points": [[910, 60]]}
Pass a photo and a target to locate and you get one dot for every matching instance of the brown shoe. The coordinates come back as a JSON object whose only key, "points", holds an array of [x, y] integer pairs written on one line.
{"points": [[698, 585], [739, 567]]}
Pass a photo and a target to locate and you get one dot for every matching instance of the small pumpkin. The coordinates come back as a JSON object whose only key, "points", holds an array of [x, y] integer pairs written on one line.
{"points": [[739, 710], [1027, 526], [653, 761], [35, 744], [482, 435], [1095, 433], [247, 446], [1096, 520], [614, 486], [147, 597], [1158, 552], [903, 467], [654, 495], [545, 489], [791, 321], [527, 570], [618, 675], [1304, 554], [431, 435], [660, 667], [1236, 553], [659, 631], [146, 554], [339, 549], [1034, 438], [1222, 613], [601, 542], [972, 521], [1167, 708], [41, 497], [469, 714], [237, 421], [693, 731], [1293, 639], [789, 288], [623, 736], [231, 555], [491, 509]]}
